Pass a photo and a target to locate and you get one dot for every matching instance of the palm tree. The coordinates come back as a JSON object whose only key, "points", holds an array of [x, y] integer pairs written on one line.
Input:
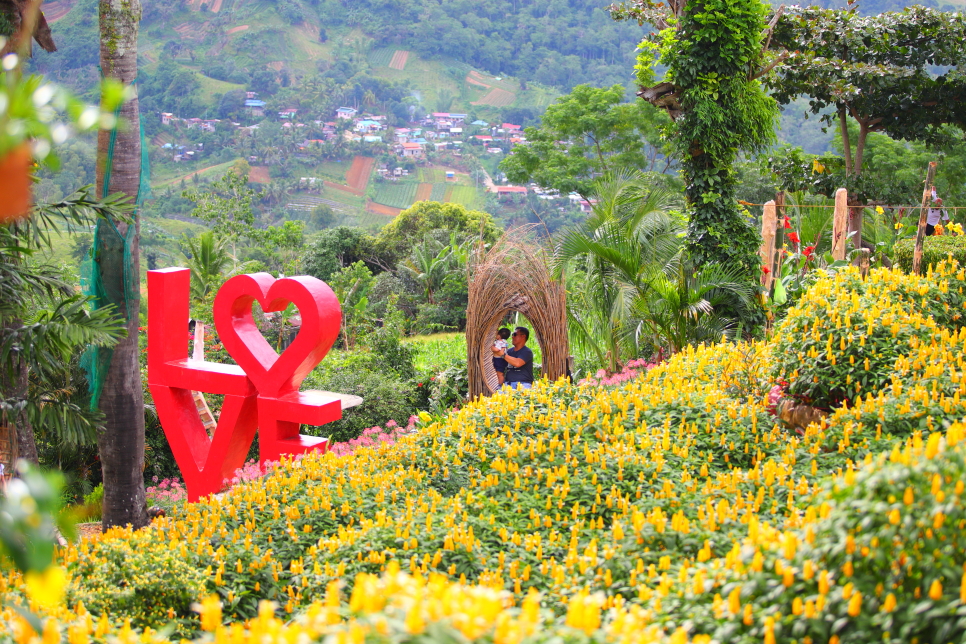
{"points": [[121, 444], [428, 266], [624, 245], [208, 257]]}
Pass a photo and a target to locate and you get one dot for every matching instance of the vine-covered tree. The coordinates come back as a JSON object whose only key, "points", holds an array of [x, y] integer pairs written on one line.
{"points": [[716, 53]]}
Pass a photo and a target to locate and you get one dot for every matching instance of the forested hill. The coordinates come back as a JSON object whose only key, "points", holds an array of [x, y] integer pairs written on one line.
{"points": [[554, 42], [224, 44]]}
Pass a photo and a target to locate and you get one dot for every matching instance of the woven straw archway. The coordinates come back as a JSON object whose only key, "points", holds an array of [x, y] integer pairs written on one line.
{"points": [[514, 276]]}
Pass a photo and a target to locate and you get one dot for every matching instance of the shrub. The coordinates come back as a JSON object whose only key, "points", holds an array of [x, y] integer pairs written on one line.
{"points": [[134, 575], [882, 562], [93, 507], [843, 337], [934, 250], [385, 395]]}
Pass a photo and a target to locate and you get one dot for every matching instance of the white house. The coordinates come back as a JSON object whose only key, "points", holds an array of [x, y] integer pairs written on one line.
{"points": [[346, 113]]}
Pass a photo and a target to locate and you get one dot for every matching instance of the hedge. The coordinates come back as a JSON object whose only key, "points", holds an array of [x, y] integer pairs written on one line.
{"points": [[934, 250]]}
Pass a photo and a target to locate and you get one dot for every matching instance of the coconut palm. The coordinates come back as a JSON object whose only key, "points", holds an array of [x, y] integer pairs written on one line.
{"points": [[432, 262], [121, 444], [631, 288], [208, 257]]}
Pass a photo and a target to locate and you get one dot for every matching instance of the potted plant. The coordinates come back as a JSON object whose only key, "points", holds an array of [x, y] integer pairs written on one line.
{"points": [[35, 116]]}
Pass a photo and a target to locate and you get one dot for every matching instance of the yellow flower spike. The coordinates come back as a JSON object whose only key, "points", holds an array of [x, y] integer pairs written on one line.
{"points": [[210, 611], [936, 590], [855, 605], [46, 589], [769, 630], [889, 604], [894, 516]]}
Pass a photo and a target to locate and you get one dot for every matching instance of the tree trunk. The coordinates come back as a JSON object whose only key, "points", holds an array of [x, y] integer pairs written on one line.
{"points": [[846, 144], [13, 386], [860, 146], [121, 444]]}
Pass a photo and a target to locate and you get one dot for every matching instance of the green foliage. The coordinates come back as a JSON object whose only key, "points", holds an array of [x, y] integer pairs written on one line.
{"points": [[586, 133], [135, 577], [333, 249], [96, 497], [207, 257], [632, 292], [29, 106], [44, 324], [226, 205], [877, 70], [934, 250]]}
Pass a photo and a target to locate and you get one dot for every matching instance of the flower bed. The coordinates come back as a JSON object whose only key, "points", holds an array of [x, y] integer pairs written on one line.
{"points": [[667, 507]]}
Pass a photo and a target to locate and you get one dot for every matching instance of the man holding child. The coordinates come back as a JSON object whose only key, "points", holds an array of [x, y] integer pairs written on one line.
{"points": [[516, 361]]}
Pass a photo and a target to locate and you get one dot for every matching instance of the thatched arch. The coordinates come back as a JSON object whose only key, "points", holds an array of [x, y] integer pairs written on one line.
{"points": [[514, 275]]}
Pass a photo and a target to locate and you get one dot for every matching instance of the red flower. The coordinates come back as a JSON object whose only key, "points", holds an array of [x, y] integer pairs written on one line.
{"points": [[765, 270], [808, 251], [793, 237], [786, 222], [420, 385]]}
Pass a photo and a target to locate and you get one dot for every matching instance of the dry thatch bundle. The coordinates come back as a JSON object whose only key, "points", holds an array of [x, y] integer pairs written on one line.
{"points": [[514, 275]]}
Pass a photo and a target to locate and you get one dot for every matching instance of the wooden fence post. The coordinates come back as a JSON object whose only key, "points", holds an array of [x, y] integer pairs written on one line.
{"points": [[924, 210], [769, 224], [840, 224]]}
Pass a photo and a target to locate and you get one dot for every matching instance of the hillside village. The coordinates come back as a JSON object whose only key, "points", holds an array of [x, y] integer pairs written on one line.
{"points": [[401, 149]]}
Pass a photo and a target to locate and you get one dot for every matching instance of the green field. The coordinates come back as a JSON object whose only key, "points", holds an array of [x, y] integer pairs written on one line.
{"points": [[432, 175], [466, 195], [397, 195], [334, 172], [439, 192], [381, 57]]}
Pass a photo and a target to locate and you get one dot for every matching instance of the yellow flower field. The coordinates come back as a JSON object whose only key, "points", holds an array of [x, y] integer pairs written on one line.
{"points": [[670, 508]]}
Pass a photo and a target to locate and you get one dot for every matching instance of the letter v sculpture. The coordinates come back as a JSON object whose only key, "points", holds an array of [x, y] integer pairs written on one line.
{"points": [[261, 393]]}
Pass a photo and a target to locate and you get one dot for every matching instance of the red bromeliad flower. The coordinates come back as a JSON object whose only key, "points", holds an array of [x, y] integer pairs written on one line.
{"points": [[786, 222], [793, 237], [765, 270], [808, 251]]}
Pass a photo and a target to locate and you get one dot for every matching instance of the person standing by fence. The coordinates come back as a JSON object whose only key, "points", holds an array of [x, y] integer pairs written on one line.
{"points": [[935, 214]]}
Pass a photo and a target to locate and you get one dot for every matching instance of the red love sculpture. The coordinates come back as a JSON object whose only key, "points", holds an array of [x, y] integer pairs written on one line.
{"points": [[261, 393]]}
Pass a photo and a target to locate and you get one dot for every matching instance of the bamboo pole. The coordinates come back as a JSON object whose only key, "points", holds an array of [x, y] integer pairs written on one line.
{"points": [[769, 224], [840, 224], [923, 211]]}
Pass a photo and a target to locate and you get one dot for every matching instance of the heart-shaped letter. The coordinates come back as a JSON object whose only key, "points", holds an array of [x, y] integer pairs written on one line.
{"points": [[276, 375]]}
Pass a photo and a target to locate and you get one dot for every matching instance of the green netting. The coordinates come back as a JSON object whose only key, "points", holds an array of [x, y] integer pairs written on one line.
{"points": [[105, 279]]}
